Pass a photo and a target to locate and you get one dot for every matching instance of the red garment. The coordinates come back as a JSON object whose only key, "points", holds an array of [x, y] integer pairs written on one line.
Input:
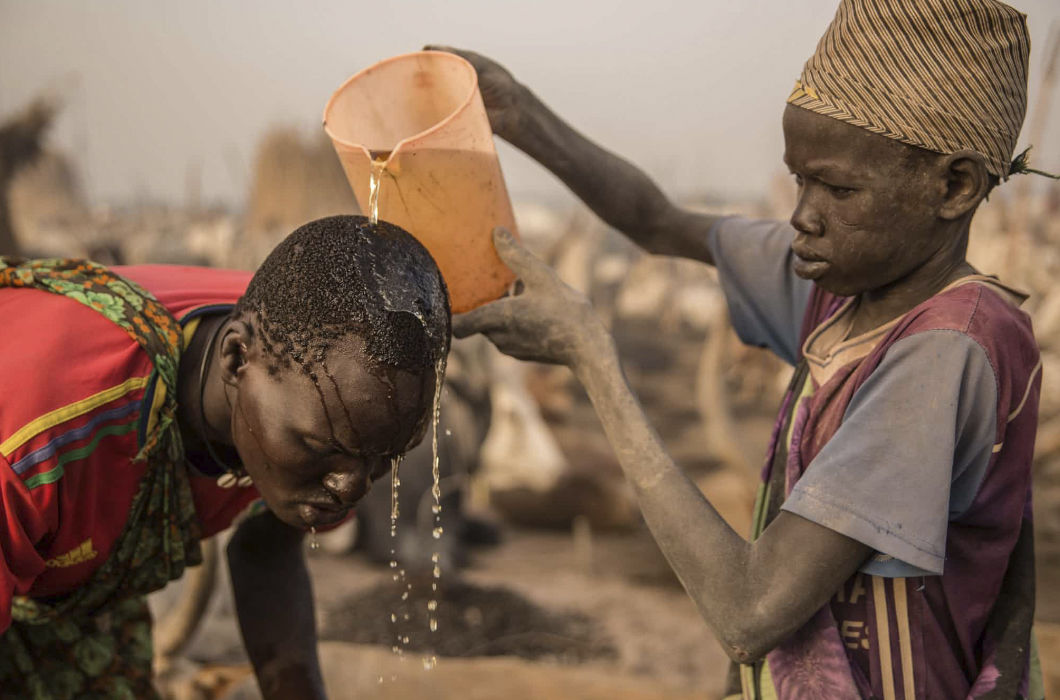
{"points": [[77, 394]]}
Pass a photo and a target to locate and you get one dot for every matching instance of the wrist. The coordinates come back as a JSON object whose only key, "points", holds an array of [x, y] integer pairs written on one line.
{"points": [[595, 349], [520, 117]]}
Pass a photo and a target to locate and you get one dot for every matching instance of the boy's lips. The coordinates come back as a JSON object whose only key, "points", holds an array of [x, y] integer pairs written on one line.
{"points": [[808, 265], [810, 269]]}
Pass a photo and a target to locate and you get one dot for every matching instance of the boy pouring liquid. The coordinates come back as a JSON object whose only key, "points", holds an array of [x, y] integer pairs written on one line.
{"points": [[892, 551]]}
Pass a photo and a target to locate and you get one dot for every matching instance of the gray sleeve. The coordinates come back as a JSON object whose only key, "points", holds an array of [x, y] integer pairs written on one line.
{"points": [[766, 298], [910, 454]]}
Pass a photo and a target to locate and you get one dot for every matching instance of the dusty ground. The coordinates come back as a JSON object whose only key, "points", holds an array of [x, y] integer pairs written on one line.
{"points": [[644, 634]]}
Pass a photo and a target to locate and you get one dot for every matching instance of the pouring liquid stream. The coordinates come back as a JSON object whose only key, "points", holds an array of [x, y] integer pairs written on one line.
{"points": [[375, 181], [429, 661], [398, 575]]}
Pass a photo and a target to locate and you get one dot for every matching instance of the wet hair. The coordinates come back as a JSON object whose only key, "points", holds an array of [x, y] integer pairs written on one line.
{"points": [[342, 276]]}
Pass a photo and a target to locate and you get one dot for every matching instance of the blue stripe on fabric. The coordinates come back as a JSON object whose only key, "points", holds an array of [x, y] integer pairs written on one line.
{"points": [[52, 448]]}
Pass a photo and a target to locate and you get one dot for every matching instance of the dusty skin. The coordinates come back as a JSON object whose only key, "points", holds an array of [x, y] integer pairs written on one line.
{"points": [[893, 236]]}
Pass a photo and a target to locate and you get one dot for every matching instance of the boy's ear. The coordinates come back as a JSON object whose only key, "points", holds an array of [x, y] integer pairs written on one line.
{"points": [[967, 183], [235, 343]]}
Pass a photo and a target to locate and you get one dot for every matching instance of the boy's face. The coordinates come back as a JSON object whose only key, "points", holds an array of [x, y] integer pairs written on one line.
{"points": [[314, 449], [866, 214]]}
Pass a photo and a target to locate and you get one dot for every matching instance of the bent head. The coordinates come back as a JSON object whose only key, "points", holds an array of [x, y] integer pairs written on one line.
{"points": [[871, 210], [330, 364]]}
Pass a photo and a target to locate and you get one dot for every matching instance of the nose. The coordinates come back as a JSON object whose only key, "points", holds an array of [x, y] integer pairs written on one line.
{"points": [[806, 218], [347, 487]]}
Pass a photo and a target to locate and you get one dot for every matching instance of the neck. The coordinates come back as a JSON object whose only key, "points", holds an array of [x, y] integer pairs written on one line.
{"points": [[878, 306], [203, 393]]}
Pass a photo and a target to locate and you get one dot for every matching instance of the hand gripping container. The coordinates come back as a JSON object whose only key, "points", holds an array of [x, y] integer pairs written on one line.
{"points": [[442, 181]]}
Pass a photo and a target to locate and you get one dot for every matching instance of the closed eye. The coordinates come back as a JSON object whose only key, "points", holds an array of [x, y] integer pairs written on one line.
{"points": [[840, 192]]}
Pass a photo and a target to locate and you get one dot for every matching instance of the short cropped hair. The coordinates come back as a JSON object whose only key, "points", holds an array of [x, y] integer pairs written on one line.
{"points": [[342, 276]]}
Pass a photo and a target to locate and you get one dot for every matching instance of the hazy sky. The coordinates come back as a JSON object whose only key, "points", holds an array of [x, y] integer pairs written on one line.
{"points": [[690, 90]]}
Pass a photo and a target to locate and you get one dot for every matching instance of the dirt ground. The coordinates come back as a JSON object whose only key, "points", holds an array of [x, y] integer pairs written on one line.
{"points": [[633, 624]]}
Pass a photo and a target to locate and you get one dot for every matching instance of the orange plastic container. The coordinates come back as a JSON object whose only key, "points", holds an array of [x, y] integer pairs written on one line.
{"points": [[422, 113]]}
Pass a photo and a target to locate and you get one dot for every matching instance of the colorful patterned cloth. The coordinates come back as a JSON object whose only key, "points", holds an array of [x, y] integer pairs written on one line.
{"points": [[916, 439], [95, 641]]}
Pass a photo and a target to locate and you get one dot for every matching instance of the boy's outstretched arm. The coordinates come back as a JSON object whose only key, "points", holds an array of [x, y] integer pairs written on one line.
{"points": [[753, 595], [620, 193]]}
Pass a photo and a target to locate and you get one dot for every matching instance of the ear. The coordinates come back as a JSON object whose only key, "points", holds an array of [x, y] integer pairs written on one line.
{"points": [[967, 183], [234, 351]]}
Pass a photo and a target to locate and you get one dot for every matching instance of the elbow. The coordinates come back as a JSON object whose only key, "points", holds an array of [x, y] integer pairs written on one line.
{"points": [[745, 647], [749, 636]]}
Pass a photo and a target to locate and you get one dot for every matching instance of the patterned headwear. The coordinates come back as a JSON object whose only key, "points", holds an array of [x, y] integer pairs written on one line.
{"points": [[944, 75]]}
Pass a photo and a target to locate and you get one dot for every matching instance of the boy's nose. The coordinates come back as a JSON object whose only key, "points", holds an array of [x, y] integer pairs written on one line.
{"points": [[347, 487], [806, 219]]}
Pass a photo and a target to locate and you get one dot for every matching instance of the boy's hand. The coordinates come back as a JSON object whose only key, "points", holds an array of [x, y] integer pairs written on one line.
{"points": [[547, 322], [501, 93]]}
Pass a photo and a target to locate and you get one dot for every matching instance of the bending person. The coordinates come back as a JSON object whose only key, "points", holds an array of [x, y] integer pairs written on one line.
{"points": [[145, 408]]}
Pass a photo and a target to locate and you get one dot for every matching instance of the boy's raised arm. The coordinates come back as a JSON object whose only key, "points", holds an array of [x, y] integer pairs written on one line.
{"points": [[616, 190]]}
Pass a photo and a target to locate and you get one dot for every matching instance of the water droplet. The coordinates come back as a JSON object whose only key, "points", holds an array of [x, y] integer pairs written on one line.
{"points": [[432, 605], [448, 432], [434, 624], [314, 543], [437, 532], [437, 572], [393, 617], [429, 662]]}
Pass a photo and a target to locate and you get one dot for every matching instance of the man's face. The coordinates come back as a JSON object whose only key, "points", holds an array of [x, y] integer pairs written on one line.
{"points": [[314, 448], [866, 213]]}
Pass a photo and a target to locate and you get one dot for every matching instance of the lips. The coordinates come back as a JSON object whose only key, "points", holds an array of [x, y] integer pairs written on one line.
{"points": [[317, 515], [807, 264]]}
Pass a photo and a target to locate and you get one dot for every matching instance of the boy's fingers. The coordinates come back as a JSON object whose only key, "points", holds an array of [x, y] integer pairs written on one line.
{"points": [[475, 59], [467, 55], [480, 320], [519, 260]]}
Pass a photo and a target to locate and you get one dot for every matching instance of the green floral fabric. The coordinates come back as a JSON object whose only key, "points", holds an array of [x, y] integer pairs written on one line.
{"points": [[96, 641]]}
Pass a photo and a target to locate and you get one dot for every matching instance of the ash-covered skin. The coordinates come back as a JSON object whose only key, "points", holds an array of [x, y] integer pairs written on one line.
{"points": [[875, 218]]}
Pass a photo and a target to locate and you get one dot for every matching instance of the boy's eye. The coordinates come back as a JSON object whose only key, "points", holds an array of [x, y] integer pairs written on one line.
{"points": [[840, 192]]}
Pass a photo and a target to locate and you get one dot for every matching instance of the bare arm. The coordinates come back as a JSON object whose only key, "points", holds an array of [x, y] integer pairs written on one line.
{"points": [[274, 604], [616, 190], [753, 595]]}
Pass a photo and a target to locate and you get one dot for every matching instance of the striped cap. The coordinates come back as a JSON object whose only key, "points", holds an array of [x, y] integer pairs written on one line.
{"points": [[944, 75]]}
